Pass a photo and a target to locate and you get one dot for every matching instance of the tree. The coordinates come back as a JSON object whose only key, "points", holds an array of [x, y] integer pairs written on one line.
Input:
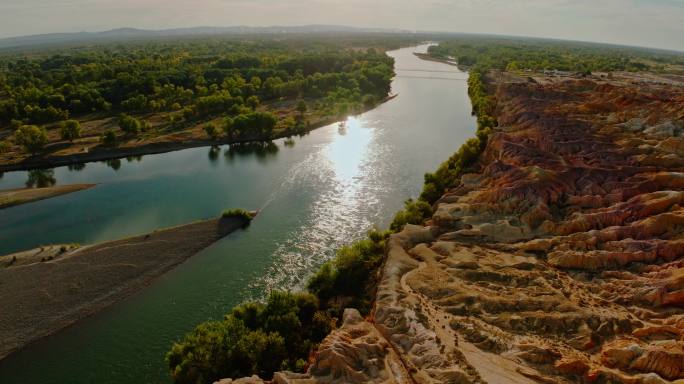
{"points": [[108, 138], [129, 124], [212, 131], [301, 107], [252, 102], [259, 124], [4, 146], [71, 129], [31, 137]]}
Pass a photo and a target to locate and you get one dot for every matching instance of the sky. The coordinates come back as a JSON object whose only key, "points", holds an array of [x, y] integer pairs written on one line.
{"points": [[652, 23]]}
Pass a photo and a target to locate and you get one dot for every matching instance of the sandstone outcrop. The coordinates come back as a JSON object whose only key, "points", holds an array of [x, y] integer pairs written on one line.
{"points": [[557, 259]]}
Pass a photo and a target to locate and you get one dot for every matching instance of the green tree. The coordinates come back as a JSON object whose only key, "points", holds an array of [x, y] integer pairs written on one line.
{"points": [[129, 124], [252, 102], [70, 130], [109, 138], [4, 146], [255, 338], [31, 137], [301, 107], [212, 131]]}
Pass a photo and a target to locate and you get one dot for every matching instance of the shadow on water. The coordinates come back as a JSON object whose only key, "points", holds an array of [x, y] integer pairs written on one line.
{"points": [[76, 167], [289, 142], [41, 178], [265, 151], [114, 164], [132, 158], [213, 154]]}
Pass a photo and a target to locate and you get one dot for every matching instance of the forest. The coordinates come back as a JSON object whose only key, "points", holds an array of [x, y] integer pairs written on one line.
{"points": [[215, 88], [513, 54]]}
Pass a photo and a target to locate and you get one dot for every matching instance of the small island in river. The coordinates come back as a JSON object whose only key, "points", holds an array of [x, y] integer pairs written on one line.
{"points": [[12, 197], [75, 282]]}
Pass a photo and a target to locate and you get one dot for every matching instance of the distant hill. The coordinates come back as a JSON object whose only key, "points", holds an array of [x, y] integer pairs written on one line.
{"points": [[133, 33]]}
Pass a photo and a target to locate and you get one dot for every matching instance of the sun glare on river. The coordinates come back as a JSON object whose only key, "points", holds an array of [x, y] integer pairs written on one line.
{"points": [[347, 152]]}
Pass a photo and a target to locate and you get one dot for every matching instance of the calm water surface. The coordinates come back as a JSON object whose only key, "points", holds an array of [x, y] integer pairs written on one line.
{"points": [[324, 191]]}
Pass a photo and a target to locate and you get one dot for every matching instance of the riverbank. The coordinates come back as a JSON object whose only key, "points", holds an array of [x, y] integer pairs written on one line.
{"points": [[50, 288], [13, 197], [162, 144]]}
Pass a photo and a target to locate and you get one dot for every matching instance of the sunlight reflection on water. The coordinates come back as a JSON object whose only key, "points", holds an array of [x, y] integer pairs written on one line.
{"points": [[334, 217]]}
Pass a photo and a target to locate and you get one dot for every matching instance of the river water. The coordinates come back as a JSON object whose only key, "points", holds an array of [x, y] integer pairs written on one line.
{"points": [[322, 191]]}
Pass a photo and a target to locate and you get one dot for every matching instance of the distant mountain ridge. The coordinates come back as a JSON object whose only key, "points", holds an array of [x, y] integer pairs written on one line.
{"points": [[132, 33]]}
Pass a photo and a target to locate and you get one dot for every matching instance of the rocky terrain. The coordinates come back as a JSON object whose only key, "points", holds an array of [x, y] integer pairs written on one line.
{"points": [[558, 260]]}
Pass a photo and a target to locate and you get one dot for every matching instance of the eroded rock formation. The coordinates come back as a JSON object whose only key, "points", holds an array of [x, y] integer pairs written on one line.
{"points": [[559, 260]]}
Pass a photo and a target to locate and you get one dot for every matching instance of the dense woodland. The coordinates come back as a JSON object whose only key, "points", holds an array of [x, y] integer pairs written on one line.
{"points": [[176, 85]]}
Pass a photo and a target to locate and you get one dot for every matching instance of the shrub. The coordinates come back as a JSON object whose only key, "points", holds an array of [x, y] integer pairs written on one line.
{"points": [[252, 102], [70, 130], [414, 212], [255, 338], [351, 274], [237, 212], [130, 124], [259, 124], [301, 107], [4, 146], [212, 131], [108, 138], [31, 137]]}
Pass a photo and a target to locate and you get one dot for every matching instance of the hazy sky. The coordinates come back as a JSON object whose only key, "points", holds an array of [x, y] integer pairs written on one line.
{"points": [[656, 23]]}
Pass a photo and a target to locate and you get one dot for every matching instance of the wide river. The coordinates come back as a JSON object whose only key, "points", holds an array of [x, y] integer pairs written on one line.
{"points": [[316, 195]]}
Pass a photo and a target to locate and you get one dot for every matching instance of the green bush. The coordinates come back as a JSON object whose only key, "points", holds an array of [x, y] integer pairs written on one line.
{"points": [[70, 130], [108, 138], [130, 124], [258, 124], [237, 212], [255, 338], [414, 212], [4, 146], [351, 274], [31, 137], [253, 102], [212, 131]]}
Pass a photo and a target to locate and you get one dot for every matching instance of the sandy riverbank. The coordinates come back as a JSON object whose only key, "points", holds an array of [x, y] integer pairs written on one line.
{"points": [[12, 197], [50, 288], [167, 143]]}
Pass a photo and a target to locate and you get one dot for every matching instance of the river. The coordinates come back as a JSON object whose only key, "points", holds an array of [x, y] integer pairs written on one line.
{"points": [[322, 191]]}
